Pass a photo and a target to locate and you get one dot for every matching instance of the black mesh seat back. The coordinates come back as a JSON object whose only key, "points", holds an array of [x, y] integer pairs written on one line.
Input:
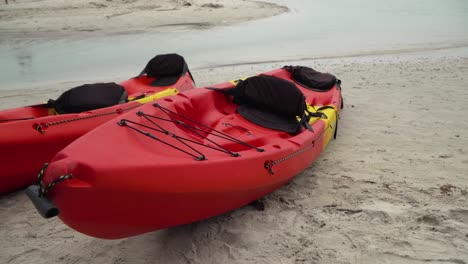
{"points": [[166, 68], [312, 79], [89, 97], [270, 102], [272, 94]]}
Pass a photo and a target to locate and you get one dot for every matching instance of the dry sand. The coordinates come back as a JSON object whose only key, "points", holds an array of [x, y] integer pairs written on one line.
{"points": [[392, 188]]}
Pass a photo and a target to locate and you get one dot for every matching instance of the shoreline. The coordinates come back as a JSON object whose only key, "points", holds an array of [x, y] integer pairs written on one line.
{"points": [[55, 87], [395, 52]]}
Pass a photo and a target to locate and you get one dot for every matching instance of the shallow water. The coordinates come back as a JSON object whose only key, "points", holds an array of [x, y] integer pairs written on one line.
{"points": [[313, 29]]}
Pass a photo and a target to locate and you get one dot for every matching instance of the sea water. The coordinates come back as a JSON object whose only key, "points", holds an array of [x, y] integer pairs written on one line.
{"points": [[311, 29]]}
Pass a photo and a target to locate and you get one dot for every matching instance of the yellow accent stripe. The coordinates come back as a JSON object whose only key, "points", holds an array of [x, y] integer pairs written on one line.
{"points": [[330, 121], [150, 98]]}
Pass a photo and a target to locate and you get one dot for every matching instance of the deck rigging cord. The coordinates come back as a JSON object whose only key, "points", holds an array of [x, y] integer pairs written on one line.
{"points": [[196, 127], [41, 127], [43, 190]]}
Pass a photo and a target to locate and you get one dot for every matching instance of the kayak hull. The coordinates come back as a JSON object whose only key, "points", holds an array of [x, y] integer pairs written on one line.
{"points": [[141, 182]]}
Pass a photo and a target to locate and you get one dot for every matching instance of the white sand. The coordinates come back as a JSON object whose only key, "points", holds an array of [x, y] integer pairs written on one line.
{"points": [[393, 188]]}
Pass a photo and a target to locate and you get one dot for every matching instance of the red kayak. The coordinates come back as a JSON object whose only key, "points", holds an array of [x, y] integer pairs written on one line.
{"points": [[191, 156], [32, 135]]}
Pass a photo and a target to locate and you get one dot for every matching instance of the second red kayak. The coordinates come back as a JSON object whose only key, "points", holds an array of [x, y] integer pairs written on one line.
{"points": [[32, 135]]}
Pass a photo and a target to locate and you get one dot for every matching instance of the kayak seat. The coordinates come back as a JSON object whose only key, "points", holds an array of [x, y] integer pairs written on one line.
{"points": [[320, 98], [270, 102], [165, 69], [89, 97], [312, 79]]}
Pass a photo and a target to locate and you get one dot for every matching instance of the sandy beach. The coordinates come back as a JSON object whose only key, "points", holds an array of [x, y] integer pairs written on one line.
{"points": [[28, 19], [392, 188]]}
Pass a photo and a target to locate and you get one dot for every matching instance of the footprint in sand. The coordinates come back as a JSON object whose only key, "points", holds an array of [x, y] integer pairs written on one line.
{"points": [[460, 215]]}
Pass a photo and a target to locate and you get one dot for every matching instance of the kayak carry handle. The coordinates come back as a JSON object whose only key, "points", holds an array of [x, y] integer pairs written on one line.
{"points": [[43, 205]]}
